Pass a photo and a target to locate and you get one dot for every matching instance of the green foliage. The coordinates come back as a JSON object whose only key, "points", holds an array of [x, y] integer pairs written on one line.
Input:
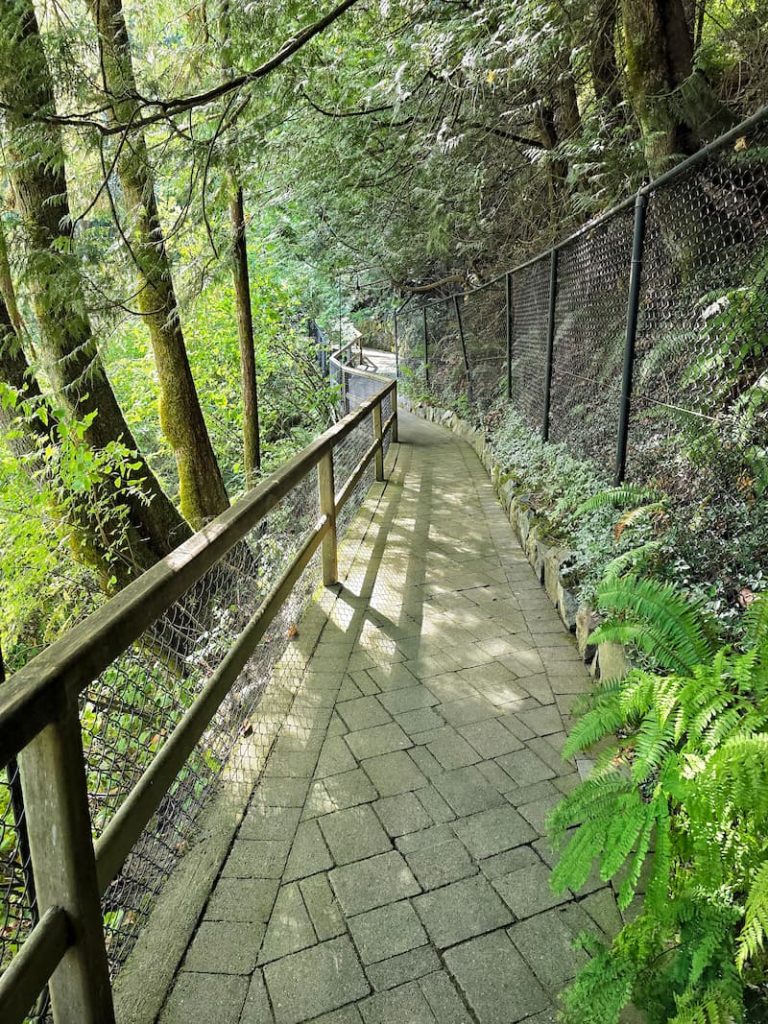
{"points": [[679, 797], [658, 619], [711, 542]]}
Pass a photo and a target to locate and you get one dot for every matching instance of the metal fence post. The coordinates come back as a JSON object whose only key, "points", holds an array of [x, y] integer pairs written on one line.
{"points": [[508, 282], [550, 345], [327, 492], [463, 343], [426, 347], [397, 346], [633, 303], [56, 806]]}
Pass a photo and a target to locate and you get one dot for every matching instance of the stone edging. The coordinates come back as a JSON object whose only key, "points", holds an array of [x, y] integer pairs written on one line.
{"points": [[606, 660]]}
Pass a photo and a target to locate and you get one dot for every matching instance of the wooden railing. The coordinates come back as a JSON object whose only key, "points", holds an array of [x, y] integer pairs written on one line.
{"points": [[39, 723]]}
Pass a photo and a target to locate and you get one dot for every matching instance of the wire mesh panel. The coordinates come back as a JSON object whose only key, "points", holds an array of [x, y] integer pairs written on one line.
{"points": [[410, 332], [699, 413], [484, 328], [530, 304], [590, 327], [448, 377], [17, 897], [346, 458], [131, 709]]}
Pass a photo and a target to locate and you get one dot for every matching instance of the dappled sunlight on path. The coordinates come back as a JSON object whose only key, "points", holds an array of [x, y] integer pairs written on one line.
{"points": [[392, 865]]}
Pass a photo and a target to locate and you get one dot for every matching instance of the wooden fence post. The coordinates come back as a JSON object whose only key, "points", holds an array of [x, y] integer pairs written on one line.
{"points": [[327, 489], [59, 823], [378, 436]]}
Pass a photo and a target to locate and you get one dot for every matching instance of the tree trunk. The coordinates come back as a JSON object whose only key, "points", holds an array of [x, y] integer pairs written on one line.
{"points": [[202, 492], [7, 291], [121, 557], [251, 439], [70, 353], [675, 106], [604, 66]]}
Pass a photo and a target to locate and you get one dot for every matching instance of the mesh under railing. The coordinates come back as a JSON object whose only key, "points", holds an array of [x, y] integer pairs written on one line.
{"points": [[588, 349], [129, 711], [132, 707], [698, 380]]}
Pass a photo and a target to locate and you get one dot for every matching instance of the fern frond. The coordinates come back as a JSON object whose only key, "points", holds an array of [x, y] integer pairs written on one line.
{"points": [[618, 497], [661, 620], [632, 559], [752, 937], [716, 1005], [736, 777], [755, 621]]}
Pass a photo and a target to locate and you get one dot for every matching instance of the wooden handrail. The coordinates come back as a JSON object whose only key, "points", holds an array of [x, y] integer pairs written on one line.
{"points": [[38, 693], [30, 970], [39, 721]]}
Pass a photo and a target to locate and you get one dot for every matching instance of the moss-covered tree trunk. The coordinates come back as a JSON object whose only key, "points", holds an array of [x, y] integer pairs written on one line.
{"points": [[604, 67], [7, 290], [117, 557], [68, 346], [202, 491], [675, 105]]}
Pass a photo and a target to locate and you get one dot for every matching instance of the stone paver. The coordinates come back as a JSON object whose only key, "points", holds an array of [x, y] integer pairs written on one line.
{"points": [[315, 981], [223, 995], [372, 883], [387, 931], [392, 865], [354, 834], [497, 983], [461, 910]]}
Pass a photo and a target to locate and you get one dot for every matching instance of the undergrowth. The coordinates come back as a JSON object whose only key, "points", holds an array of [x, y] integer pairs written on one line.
{"points": [[714, 545]]}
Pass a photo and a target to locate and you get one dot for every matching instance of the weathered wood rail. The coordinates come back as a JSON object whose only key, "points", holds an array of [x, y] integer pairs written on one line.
{"points": [[39, 723]]}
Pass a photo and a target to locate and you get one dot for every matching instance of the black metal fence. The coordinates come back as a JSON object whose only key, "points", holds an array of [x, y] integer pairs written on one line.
{"points": [[641, 341]]}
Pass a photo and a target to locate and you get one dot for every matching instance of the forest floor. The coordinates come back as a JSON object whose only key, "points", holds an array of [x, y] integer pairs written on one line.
{"points": [[392, 865]]}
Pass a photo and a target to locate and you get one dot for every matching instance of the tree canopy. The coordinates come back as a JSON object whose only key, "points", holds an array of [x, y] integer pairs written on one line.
{"points": [[183, 189]]}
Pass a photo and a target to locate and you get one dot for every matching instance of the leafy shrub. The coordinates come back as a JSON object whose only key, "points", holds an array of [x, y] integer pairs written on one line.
{"points": [[680, 793]]}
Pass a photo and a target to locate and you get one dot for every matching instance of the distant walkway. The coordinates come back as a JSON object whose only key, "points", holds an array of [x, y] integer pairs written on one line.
{"points": [[391, 868], [380, 362]]}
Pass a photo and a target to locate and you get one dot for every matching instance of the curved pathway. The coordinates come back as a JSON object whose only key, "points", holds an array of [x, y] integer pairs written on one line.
{"points": [[392, 865]]}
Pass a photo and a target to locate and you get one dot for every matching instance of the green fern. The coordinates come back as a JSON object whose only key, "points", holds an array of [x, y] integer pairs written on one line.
{"points": [[625, 496], [659, 619], [679, 796], [634, 559], [753, 934]]}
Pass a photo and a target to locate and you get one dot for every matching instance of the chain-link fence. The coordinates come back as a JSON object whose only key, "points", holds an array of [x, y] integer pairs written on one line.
{"points": [[131, 709], [640, 342]]}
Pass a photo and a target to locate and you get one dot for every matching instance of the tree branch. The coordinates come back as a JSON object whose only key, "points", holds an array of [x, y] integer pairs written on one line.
{"points": [[165, 109]]}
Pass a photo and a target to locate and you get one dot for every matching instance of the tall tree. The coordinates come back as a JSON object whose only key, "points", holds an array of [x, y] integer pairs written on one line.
{"points": [[606, 78], [98, 535], [68, 346], [674, 103], [202, 492], [251, 438]]}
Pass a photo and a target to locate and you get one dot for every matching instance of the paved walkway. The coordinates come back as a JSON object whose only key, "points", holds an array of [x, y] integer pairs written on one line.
{"points": [[391, 865]]}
